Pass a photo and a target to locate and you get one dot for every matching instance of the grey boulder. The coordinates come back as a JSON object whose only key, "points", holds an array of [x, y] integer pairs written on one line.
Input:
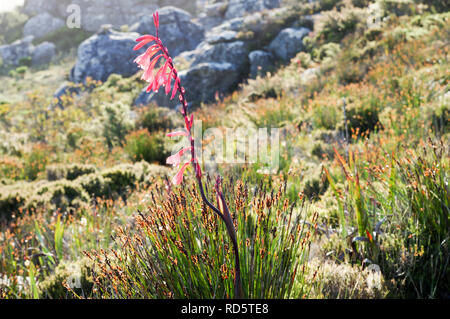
{"points": [[176, 29], [234, 53], [105, 53], [56, 8], [65, 89], [204, 80], [42, 24], [213, 14], [261, 62], [188, 5], [159, 98], [288, 43], [225, 36], [96, 13], [12, 54], [43, 53], [239, 8], [201, 82]]}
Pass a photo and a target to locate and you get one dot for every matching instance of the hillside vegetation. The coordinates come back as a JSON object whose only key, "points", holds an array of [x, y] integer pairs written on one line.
{"points": [[359, 207]]}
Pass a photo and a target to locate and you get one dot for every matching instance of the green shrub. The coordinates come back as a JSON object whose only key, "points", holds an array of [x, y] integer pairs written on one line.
{"points": [[362, 118], [116, 123], [398, 7], [11, 24], [71, 194], [59, 195], [304, 59], [361, 3], [322, 150], [334, 25], [344, 281], [77, 276], [436, 5], [119, 83], [157, 119], [20, 71], [314, 184], [11, 200], [112, 182], [350, 66], [68, 171], [96, 185], [351, 72], [325, 116], [440, 119], [24, 64], [122, 177], [36, 161], [141, 145], [119, 179], [65, 39], [327, 51], [328, 4]]}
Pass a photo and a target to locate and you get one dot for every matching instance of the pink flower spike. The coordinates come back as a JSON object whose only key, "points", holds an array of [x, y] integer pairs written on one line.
{"points": [[148, 74], [176, 158], [198, 170], [146, 37], [191, 121], [175, 88], [156, 19], [169, 82], [181, 133], [143, 41], [178, 178]]}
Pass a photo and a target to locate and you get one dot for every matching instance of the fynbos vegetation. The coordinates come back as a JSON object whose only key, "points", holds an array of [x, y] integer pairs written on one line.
{"points": [[105, 191]]}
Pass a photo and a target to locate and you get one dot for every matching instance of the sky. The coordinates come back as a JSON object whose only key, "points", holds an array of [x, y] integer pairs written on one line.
{"points": [[8, 5]]}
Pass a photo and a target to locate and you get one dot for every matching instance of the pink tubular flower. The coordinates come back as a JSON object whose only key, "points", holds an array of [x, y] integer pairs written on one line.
{"points": [[173, 134], [176, 158], [178, 178], [156, 20], [149, 59], [163, 76]]}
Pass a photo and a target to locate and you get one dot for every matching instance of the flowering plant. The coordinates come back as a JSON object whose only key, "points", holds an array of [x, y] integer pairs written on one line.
{"points": [[165, 76]]}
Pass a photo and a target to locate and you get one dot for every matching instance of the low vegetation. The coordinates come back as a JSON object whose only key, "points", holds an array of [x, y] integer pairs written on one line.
{"points": [[359, 207]]}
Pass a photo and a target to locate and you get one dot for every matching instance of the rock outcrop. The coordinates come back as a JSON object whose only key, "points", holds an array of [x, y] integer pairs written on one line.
{"points": [[261, 62], [43, 53], [20, 51], [241, 39], [225, 53], [95, 13], [234, 53], [213, 14], [204, 80], [239, 8], [105, 53], [12, 54], [177, 30], [57, 8], [288, 43], [217, 12], [110, 51], [42, 24]]}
